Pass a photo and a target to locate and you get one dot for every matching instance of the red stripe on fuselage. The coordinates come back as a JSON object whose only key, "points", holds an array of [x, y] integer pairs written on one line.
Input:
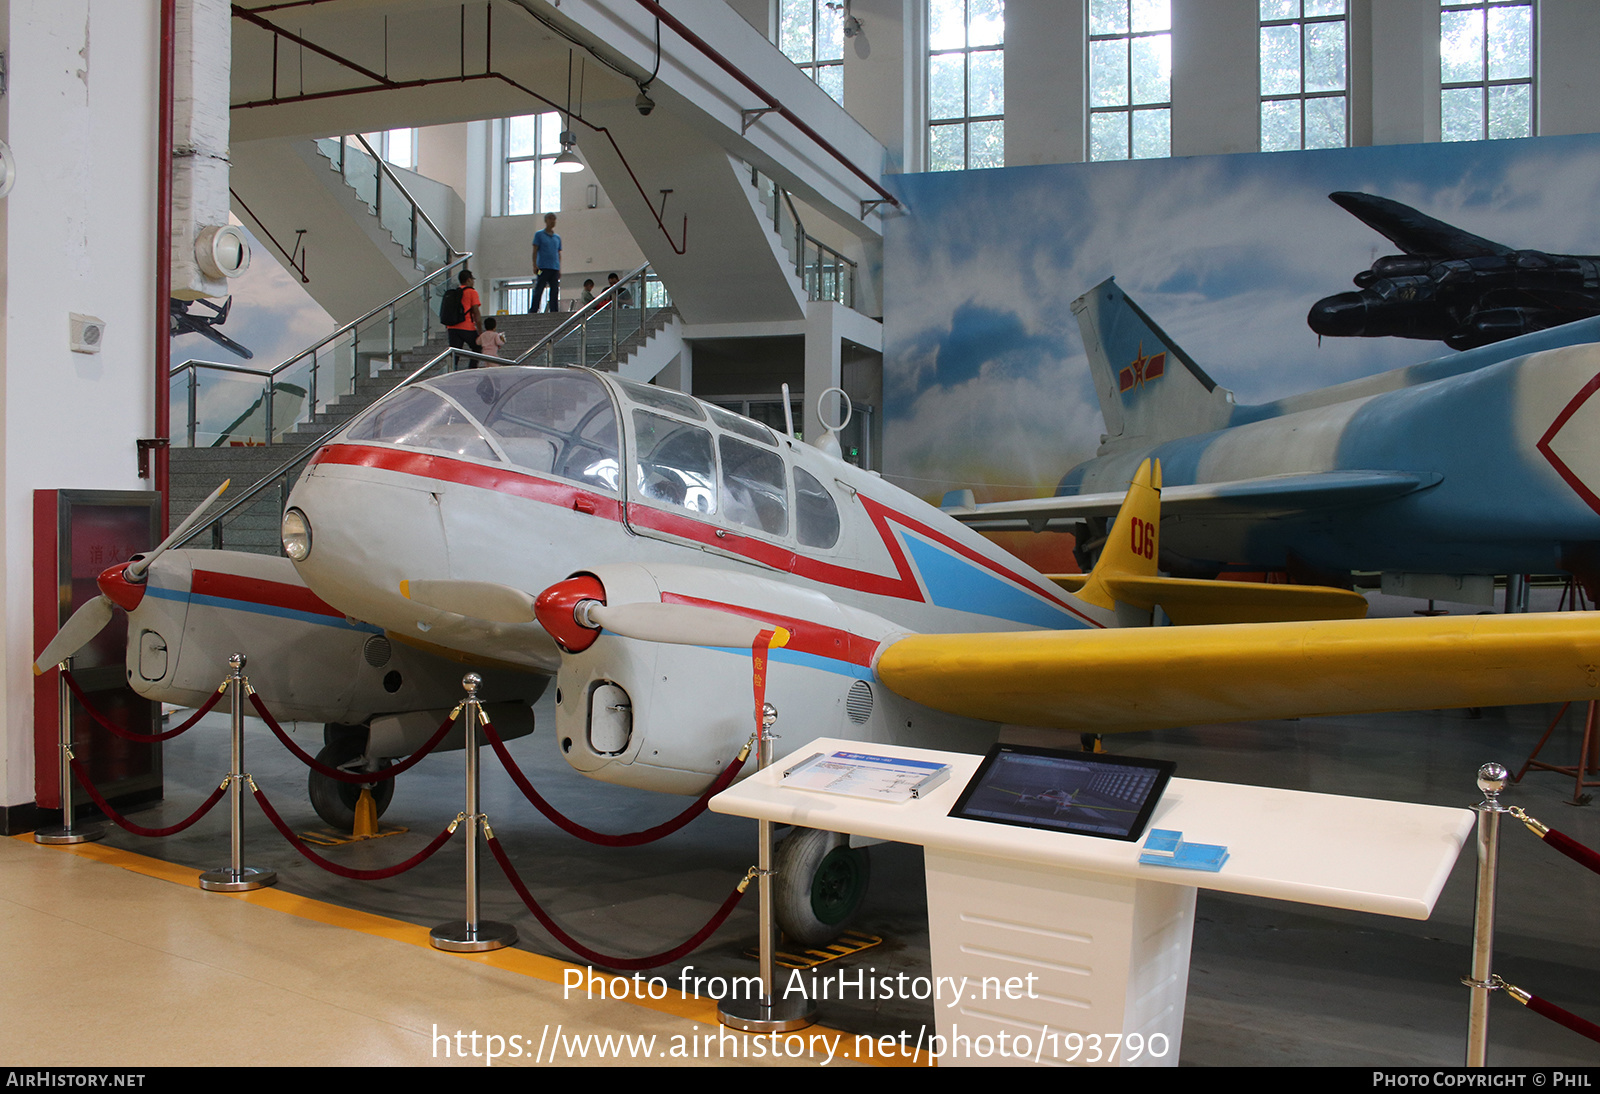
{"points": [[804, 635], [274, 594], [903, 585], [427, 466]]}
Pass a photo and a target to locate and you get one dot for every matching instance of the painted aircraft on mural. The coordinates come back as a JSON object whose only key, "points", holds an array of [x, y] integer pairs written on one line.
{"points": [[1452, 286], [630, 542], [185, 321], [1483, 462]]}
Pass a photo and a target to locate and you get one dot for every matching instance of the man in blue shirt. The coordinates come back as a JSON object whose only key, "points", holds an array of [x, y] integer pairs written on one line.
{"points": [[547, 265]]}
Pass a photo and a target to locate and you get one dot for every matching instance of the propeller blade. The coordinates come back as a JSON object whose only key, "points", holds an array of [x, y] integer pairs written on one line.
{"points": [[80, 630], [136, 570], [684, 624], [475, 599]]}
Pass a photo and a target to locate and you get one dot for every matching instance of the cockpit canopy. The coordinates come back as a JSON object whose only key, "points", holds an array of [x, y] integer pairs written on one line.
{"points": [[684, 454]]}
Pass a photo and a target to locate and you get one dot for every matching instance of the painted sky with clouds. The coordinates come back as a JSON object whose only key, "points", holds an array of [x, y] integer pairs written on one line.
{"points": [[985, 380]]}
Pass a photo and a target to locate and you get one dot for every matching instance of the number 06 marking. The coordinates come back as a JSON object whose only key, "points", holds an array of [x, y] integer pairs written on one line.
{"points": [[1143, 537]]}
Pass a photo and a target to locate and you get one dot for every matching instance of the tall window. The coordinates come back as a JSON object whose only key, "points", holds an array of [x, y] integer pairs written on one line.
{"points": [[1485, 70], [1303, 65], [396, 146], [966, 84], [1130, 79], [811, 34], [532, 184]]}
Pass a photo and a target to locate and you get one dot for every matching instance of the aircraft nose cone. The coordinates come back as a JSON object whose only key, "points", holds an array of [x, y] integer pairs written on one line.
{"points": [[1343, 315], [118, 589]]}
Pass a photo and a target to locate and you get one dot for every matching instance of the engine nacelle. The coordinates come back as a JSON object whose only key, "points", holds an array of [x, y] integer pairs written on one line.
{"points": [[671, 717]]}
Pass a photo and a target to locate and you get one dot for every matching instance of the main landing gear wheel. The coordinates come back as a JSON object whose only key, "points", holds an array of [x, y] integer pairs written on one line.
{"points": [[335, 801], [821, 884]]}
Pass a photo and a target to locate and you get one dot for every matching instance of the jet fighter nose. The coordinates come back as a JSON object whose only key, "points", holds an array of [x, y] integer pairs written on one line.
{"points": [[1343, 315]]}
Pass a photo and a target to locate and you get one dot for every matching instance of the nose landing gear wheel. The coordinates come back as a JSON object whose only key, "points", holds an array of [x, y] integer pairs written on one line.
{"points": [[335, 801], [821, 884]]}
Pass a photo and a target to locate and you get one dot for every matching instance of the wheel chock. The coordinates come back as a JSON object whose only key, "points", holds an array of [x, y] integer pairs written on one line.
{"points": [[366, 826]]}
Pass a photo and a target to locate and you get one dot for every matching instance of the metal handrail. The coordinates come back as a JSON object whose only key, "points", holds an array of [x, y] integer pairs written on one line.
{"points": [[801, 238], [584, 314], [605, 305], [311, 447], [416, 208], [350, 326]]}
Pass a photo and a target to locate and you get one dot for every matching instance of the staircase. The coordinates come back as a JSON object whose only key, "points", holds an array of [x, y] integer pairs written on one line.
{"points": [[195, 472]]}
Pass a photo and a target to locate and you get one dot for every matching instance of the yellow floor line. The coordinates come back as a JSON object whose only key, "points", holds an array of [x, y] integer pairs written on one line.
{"points": [[522, 962]]}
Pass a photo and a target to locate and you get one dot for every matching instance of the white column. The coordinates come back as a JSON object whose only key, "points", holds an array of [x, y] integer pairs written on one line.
{"points": [[823, 361], [1216, 83], [77, 234], [1405, 72], [1568, 33], [1046, 77]]}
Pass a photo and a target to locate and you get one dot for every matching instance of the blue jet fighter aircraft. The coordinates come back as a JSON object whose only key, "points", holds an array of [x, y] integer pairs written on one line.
{"points": [[1480, 463]]}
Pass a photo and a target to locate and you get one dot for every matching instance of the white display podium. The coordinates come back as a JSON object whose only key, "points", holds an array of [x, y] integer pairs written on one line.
{"points": [[1104, 938]]}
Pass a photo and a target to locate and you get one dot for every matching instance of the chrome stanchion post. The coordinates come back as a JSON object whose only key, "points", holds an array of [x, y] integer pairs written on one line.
{"points": [[236, 877], [767, 1014], [66, 833], [1492, 779], [472, 935]]}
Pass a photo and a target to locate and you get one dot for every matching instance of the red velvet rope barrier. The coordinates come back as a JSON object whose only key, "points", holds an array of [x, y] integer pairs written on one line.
{"points": [[129, 735], [344, 871], [1564, 1017], [572, 827], [139, 830], [1574, 850], [362, 778], [595, 957]]}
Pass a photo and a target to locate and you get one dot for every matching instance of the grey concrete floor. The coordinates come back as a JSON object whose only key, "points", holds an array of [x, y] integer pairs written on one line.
{"points": [[1270, 983]]}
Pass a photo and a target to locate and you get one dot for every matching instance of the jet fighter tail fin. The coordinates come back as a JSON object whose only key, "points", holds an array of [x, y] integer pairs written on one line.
{"points": [[1149, 388]]}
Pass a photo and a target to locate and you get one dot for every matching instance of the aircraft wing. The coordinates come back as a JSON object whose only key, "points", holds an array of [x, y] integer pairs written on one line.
{"points": [[1291, 493], [1108, 681], [1413, 232]]}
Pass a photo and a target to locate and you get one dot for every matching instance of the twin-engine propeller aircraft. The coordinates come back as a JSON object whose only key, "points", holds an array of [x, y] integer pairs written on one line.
{"points": [[1483, 462], [629, 541]]}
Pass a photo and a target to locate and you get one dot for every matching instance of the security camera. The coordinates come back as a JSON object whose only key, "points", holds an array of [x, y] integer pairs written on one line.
{"points": [[644, 103]]}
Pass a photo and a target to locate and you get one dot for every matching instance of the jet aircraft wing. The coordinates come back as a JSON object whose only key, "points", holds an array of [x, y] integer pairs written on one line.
{"points": [[1413, 232], [1114, 680], [1288, 493]]}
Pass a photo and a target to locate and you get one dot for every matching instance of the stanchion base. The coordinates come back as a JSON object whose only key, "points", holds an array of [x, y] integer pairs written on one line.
{"points": [[242, 880], [755, 1016], [458, 936], [68, 835]]}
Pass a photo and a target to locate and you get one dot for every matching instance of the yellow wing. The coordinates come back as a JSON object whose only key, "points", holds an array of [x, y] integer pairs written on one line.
{"points": [[1108, 681]]}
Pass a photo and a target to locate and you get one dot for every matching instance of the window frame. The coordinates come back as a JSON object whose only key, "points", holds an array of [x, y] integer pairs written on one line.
{"points": [[1487, 83], [1302, 96], [1128, 108], [966, 119], [813, 66], [542, 161]]}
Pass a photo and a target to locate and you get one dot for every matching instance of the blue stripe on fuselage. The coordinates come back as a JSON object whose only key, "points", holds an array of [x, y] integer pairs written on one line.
{"points": [[957, 584], [262, 609]]}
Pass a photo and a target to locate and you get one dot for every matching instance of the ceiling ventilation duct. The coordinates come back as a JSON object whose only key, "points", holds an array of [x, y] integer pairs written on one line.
{"points": [[206, 250]]}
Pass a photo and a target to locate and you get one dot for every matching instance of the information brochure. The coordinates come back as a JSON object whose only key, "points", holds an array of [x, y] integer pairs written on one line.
{"points": [[860, 775]]}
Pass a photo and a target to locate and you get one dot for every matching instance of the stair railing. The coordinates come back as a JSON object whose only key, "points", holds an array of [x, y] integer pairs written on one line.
{"points": [[375, 183], [825, 272], [594, 335], [231, 405], [449, 359]]}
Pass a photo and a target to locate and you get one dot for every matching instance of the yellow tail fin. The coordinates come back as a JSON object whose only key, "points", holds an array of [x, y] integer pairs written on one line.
{"points": [[1133, 544]]}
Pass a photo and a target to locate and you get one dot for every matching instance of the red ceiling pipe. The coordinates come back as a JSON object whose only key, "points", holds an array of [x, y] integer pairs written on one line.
{"points": [[160, 465], [772, 103]]}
